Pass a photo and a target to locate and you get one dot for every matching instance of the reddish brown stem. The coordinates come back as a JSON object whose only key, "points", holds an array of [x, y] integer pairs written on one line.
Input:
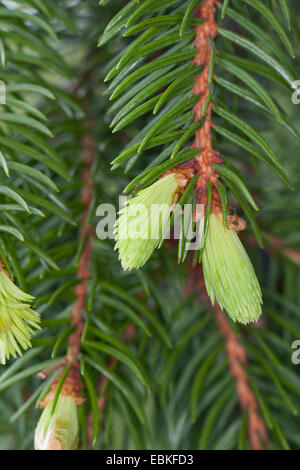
{"points": [[72, 385], [238, 360], [202, 164], [77, 316], [205, 35]]}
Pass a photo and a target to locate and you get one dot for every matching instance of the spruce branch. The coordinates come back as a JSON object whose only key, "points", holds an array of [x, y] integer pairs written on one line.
{"points": [[160, 371], [198, 169]]}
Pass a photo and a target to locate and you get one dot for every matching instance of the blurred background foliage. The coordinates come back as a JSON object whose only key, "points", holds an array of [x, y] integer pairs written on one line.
{"points": [[170, 386]]}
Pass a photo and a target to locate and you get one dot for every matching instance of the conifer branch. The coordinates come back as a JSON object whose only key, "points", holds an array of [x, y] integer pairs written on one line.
{"points": [[170, 365]]}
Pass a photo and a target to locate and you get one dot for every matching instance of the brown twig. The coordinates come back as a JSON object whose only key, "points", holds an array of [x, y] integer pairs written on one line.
{"points": [[202, 164], [84, 274], [205, 35], [72, 385], [238, 360]]}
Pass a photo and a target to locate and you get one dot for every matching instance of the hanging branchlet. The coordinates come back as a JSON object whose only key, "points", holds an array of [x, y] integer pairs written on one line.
{"points": [[233, 284], [228, 272]]}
